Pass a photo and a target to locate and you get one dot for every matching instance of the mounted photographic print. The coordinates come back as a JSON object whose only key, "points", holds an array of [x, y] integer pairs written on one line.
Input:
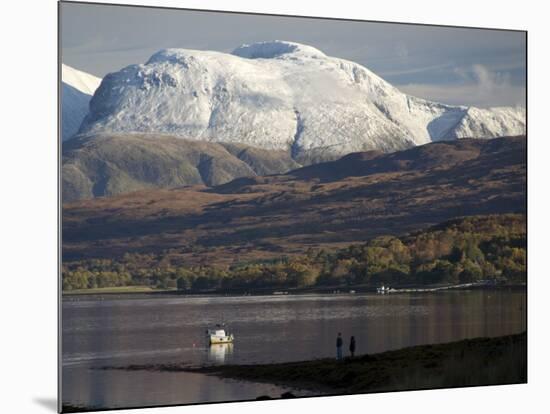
{"points": [[258, 207]]}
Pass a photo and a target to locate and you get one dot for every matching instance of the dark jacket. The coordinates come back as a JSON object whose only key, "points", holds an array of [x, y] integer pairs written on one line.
{"points": [[352, 345], [339, 342]]}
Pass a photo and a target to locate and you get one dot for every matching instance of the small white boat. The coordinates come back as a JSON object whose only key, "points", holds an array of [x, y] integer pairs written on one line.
{"points": [[219, 336], [383, 290]]}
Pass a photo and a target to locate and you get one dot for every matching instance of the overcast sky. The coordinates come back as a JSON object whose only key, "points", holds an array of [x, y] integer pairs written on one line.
{"points": [[451, 65]]}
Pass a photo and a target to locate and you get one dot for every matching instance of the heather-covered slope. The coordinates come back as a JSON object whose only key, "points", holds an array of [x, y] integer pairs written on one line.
{"points": [[327, 205]]}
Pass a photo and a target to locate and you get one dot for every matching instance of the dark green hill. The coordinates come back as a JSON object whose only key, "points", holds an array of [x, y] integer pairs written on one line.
{"points": [[106, 165]]}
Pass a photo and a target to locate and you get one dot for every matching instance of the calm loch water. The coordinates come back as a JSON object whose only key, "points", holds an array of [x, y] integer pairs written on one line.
{"points": [[106, 331]]}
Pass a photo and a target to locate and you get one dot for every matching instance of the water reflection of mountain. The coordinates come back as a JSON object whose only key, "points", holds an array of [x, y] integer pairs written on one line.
{"points": [[218, 353]]}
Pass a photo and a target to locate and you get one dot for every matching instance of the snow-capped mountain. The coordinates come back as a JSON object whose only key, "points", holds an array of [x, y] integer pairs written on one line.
{"points": [[281, 95], [76, 92]]}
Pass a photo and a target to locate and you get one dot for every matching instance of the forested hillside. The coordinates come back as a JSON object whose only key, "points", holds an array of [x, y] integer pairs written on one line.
{"points": [[458, 251]]}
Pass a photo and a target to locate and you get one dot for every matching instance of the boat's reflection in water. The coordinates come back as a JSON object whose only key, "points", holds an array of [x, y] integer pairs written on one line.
{"points": [[218, 353]]}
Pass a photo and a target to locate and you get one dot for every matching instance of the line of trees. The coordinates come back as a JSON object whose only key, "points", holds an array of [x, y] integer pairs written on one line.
{"points": [[460, 251]]}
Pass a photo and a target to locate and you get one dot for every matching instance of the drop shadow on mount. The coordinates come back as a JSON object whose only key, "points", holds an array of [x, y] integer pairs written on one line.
{"points": [[46, 402]]}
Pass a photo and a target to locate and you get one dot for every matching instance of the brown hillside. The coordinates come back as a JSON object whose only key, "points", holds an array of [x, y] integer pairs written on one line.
{"points": [[325, 205]]}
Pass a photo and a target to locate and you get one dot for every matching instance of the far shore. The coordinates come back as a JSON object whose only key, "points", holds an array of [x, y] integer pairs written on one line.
{"points": [[147, 290], [470, 362], [118, 290]]}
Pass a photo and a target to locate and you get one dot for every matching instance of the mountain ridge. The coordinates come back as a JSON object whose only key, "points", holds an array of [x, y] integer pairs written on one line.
{"points": [[281, 95]]}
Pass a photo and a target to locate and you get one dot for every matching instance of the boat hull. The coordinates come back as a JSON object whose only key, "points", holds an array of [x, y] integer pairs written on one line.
{"points": [[221, 340]]}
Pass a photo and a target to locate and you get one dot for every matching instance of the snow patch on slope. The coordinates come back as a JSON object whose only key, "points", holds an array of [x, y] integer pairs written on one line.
{"points": [[276, 49], [490, 123]]}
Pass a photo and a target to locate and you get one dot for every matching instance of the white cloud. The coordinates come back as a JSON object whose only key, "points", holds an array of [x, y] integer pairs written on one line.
{"points": [[413, 70], [477, 86]]}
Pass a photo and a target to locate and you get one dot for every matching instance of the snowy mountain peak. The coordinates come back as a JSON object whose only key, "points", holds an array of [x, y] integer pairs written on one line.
{"points": [[280, 95], [276, 49], [76, 91], [82, 81]]}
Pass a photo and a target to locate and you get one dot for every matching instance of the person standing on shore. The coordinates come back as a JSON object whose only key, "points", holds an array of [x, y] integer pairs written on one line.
{"points": [[339, 343], [352, 346]]}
